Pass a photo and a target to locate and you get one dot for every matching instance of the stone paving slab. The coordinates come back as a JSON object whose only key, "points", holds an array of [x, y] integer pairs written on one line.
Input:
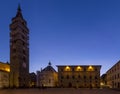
{"points": [[59, 91]]}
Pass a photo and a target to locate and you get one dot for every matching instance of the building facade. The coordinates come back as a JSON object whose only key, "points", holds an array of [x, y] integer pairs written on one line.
{"points": [[33, 79], [113, 76], [103, 82], [79, 76], [19, 51], [4, 75], [47, 77]]}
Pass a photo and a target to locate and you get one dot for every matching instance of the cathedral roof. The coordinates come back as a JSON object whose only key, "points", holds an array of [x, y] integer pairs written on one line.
{"points": [[49, 68]]}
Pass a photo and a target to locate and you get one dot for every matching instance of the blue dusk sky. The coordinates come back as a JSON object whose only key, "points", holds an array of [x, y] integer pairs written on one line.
{"points": [[66, 32]]}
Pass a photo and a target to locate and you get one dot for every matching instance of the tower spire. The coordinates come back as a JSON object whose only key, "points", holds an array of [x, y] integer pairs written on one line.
{"points": [[19, 8], [19, 13]]}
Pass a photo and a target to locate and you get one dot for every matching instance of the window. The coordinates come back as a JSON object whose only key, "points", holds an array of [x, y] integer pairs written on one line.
{"points": [[96, 77], [23, 51], [90, 77], [118, 75], [115, 76], [67, 76], [79, 68], [24, 59], [67, 68], [23, 37], [61, 69], [14, 41], [73, 77], [95, 69], [62, 77], [84, 77], [96, 81], [49, 80], [72, 69], [14, 50], [78, 76], [14, 56], [90, 68], [23, 23], [84, 69], [23, 43]]}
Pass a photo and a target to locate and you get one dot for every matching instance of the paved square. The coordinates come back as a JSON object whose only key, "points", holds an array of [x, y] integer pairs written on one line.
{"points": [[59, 91]]}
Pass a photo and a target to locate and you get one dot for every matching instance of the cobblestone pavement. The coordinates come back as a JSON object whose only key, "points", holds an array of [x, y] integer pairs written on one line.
{"points": [[59, 91]]}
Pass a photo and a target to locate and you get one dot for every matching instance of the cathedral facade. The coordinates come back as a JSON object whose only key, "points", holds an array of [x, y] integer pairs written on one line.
{"points": [[19, 51]]}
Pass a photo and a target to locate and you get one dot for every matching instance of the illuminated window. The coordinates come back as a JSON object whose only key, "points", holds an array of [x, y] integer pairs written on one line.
{"points": [[7, 69], [79, 68], [67, 68], [90, 68]]}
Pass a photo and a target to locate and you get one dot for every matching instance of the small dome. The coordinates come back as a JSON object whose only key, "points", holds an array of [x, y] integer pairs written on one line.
{"points": [[49, 68]]}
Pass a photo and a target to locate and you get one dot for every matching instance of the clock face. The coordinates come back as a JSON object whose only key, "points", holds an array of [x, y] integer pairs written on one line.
{"points": [[24, 65]]}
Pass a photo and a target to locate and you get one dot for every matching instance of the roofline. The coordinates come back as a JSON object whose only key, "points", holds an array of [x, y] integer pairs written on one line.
{"points": [[113, 66], [48, 66], [77, 65], [5, 63]]}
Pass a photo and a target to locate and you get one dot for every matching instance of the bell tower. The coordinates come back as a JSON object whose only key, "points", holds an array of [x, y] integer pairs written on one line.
{"points": [[19, 51]]}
